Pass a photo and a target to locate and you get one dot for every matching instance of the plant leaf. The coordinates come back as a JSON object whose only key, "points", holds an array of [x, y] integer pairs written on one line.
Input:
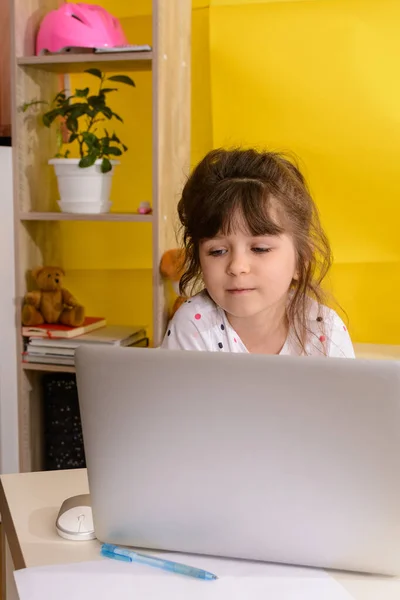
{"points": [[87, 161], [91, 140], [82, 93], [117, 117], [49, 117], [107, 112], [125, 147], [72, 123], [115, 138], [83, 107], [122, 79], [114, 151], [106, 166], [27, 105], [95, 72], [97, 102], [60, 98], [107, 90], [72, 137], [64, 103]]}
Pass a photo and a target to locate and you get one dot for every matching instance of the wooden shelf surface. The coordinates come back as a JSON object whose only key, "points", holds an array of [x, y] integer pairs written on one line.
{"points": [[110, 217], [27, 366], [76, 63]]}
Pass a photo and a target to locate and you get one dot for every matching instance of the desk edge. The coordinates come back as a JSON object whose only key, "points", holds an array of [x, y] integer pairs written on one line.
{"points": [[10, 531]]}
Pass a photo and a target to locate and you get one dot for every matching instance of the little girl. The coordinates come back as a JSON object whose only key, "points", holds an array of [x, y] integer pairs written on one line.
{"points": [[254, 243]]}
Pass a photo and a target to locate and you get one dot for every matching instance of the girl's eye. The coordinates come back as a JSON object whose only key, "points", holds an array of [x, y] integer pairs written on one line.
{"points": [[217, 252], [261, 250]]}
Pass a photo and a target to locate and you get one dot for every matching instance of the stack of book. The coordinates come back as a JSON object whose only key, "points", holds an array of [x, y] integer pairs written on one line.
{"points": [[56, 345]]}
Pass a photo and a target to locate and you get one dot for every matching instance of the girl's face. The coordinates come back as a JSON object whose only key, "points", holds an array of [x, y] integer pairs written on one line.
{"points": [[248, 275]]}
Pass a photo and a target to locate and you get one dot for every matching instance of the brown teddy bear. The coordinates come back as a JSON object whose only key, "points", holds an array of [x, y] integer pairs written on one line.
{"points": [[51, 303]]}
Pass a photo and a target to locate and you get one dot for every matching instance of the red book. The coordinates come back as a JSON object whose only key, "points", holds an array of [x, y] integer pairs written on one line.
{"points": [[64, 331]]}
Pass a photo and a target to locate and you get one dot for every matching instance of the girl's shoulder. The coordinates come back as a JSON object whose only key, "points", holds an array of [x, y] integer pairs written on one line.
{"points": [[199, 310], [327, 332], [196, 325], [322, 316]]}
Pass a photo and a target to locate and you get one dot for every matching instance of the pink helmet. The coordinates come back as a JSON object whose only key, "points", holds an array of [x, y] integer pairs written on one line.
{"points": [[84, 25]]}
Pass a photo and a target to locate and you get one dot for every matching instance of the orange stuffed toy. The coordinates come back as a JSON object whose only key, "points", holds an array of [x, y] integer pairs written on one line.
{"points": [[171, 268]]}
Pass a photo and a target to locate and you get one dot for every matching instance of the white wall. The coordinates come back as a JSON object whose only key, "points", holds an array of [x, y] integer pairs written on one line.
{"points": [[8, 367]]}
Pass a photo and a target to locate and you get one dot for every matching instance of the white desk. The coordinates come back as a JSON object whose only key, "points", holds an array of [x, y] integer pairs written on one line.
{"points": [[377, 351], [29, 505]]}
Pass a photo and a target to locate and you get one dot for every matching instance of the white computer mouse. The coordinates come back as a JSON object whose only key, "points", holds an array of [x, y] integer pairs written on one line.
{"points": [[75, 519]]}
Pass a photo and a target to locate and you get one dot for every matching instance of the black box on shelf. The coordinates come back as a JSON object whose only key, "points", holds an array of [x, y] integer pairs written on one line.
{"points": [[63, 438]]}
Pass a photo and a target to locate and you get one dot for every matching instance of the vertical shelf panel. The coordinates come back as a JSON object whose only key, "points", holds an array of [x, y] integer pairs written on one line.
{"points": [[5, 65], [34, 188], [171, 133]]}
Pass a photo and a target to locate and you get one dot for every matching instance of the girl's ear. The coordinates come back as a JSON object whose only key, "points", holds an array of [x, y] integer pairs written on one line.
{"points": [[296, 274], [295, 278]]}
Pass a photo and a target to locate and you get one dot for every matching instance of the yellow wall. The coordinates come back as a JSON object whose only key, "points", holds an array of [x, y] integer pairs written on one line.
{"points": [[314, 77], [319, 78], [109, 265], [123, 8]]}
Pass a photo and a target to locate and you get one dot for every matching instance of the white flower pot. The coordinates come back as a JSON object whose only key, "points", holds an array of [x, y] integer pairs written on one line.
{"points": [[83, 190]]}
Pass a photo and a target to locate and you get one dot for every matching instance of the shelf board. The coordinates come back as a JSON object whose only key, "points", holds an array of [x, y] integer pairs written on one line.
{"points": [[75, 63], [50, 368], [105, 217]]}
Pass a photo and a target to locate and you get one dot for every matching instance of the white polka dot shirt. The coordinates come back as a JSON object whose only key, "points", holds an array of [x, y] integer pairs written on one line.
{"points": [[200, 324]]}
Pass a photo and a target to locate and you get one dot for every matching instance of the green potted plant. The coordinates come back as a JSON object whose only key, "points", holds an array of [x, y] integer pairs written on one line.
{"points": [[81, 119]]}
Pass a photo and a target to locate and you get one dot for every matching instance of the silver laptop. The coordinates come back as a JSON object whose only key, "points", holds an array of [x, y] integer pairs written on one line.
{"points": [[272, 458]]}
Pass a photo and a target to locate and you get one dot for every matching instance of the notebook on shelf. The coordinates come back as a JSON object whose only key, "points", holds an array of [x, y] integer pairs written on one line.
{"points": [[100, 50], [53, 358], [32, 349], [65, 361], [116, 335], [62, 351], [63, 331]]}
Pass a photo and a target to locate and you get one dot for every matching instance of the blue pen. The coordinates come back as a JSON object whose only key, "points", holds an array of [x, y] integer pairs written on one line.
{"points": [[117, 553]]}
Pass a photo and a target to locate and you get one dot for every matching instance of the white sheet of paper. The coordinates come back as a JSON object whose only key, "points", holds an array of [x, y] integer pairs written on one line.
{"points": [[112, 580]]}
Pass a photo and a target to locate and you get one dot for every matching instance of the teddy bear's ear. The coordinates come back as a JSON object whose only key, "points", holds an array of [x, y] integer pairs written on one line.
{"points": [[35, 272], [62, 270]]}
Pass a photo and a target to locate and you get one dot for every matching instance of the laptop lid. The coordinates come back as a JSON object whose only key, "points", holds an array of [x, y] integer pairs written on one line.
{"points": [[283, 459]]}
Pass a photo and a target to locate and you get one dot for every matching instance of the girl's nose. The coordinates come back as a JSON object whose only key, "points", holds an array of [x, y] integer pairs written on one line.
{"points": [[238, 265]]}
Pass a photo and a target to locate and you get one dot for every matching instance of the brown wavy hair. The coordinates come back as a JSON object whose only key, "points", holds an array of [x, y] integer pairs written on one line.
{"points": [[270, 193]]}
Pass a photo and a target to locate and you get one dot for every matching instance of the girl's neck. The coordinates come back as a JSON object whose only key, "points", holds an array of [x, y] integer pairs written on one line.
{"points": [[264, 333]]}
